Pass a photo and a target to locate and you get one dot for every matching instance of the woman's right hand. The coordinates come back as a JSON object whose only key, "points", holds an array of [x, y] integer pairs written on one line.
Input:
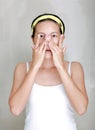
{"points": [[38, 53]]}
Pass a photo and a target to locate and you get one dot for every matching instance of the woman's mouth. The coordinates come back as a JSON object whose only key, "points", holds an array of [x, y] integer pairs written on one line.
{"points": [[48, 50]]}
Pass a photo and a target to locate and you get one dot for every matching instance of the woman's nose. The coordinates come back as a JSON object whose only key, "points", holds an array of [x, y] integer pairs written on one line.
{"points": [[48, 38]]}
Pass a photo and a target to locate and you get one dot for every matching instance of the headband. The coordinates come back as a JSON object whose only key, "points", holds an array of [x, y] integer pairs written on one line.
{"points": [[48, 16]]}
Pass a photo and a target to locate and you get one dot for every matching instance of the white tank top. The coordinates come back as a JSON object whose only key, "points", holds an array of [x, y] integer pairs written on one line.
{"points": [[48, 108]]}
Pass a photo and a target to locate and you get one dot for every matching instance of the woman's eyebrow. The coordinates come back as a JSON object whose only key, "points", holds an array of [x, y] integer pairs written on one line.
{"points": [[45, 33]]}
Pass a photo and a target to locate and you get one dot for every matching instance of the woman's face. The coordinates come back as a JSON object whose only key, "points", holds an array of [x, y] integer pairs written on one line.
{"points": [[48, 32]]}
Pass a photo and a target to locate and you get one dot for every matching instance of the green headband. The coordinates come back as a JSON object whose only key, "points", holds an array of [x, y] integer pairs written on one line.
{"points": [[48, 16]]}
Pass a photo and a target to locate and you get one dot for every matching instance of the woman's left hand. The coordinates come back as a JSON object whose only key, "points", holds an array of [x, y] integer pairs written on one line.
{"points": [[58, 53]]}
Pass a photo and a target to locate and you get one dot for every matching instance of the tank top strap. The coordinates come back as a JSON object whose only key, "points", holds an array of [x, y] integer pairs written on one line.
{"points": [[69, 68], [27, 66]]}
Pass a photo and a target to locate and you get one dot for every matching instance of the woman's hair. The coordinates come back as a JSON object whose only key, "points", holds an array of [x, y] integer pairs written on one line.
{"points": [[45, 17]]}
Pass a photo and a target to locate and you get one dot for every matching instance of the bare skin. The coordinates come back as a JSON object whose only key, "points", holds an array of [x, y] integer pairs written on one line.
{"points": [[48, 63]]}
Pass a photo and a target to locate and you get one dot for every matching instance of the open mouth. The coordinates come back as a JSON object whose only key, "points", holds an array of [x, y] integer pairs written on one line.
{"points": [[48, 50]]}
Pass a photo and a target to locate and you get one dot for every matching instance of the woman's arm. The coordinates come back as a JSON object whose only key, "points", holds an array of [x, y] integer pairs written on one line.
{"points": [[21, 88], [75, 86]]}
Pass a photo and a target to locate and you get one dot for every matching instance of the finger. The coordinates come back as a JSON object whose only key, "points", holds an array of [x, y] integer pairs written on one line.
{"points": [[32, 46], [41, 47], [54, 48], [51, 48], [61, 41], [57, 49], [44, 48], [64, 50], [38, 41]]}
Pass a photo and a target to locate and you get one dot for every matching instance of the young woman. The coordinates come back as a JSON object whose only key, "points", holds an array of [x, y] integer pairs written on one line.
{"points": [[50, 88]]}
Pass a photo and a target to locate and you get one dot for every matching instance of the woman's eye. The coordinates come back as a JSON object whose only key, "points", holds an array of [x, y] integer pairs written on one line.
{"points": [[41, 36], [54, 36]]}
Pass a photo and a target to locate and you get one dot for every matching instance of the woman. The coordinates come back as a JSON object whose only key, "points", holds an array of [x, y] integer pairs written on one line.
{"points": [[50, 88]]}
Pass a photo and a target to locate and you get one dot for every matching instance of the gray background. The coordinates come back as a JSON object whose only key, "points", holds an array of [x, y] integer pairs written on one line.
{"points": [[15, 46]]}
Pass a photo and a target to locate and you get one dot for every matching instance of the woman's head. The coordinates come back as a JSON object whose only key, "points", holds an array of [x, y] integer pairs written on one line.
{"points": [[47, 17], [47, 29]]}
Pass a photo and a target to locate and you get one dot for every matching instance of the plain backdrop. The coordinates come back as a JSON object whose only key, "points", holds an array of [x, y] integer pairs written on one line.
{"points": [[15, 46]]}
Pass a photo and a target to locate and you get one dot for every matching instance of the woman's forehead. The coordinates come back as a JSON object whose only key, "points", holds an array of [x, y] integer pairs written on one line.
{"points": [[48, 25]]}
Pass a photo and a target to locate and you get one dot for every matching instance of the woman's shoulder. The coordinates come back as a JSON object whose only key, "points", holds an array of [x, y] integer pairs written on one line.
{"points": [[75, 66], [73, 63], [23, 64], [21, 68], [20, 65]]}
